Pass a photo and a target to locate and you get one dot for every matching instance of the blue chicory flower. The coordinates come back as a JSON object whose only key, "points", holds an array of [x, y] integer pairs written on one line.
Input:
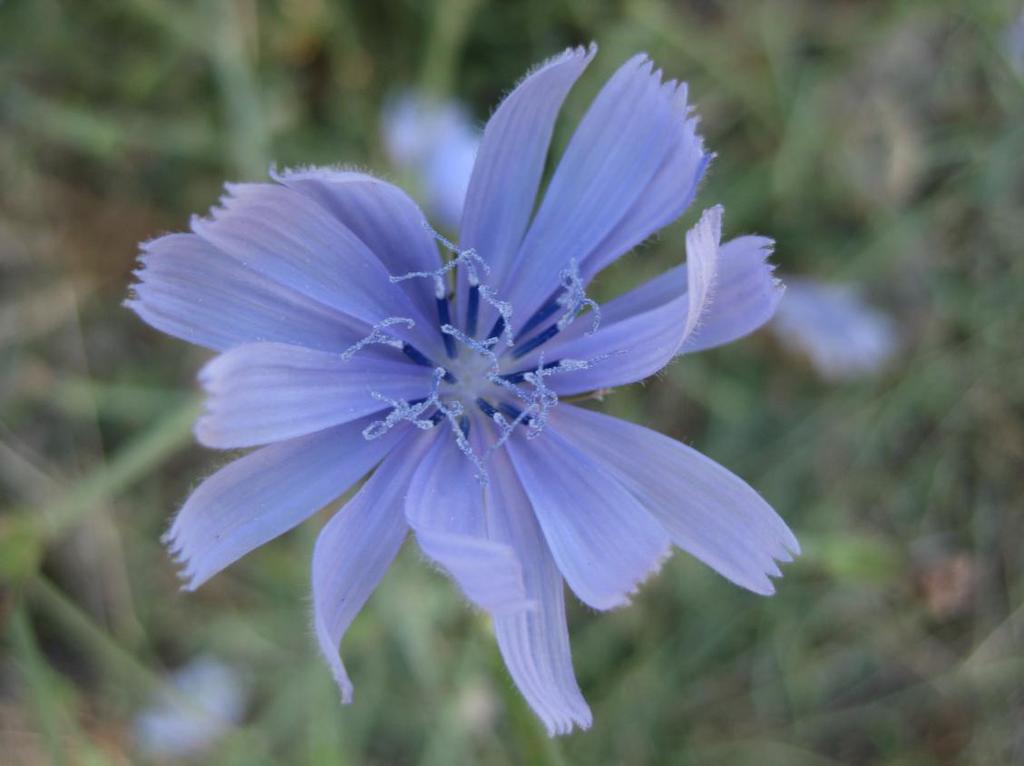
{"points": [[203, 701], [436, 142], [1015, 43], [347, 344], [843, 336]]}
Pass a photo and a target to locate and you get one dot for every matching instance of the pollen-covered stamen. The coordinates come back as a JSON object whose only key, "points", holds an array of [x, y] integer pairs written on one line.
{"points": [[503, 326], [520, 376], [452, 334], [467, 258], [377, 335], [406, 411], [460, 429], [505, 427], [575, 298]]}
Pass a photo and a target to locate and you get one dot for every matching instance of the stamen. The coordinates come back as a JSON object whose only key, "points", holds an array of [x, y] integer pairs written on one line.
{"points": [[467, 258], [503, 326], [537, 340], [445, 318], [453, 411], [486, 407], [506, 428], [575, 299], [498, 328], [472, 310], [452, 334], [405, 411], [519, 377], [377, 335]]}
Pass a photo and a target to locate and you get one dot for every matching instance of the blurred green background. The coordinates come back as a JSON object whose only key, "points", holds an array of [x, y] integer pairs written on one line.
{"points": [[879, 142]]}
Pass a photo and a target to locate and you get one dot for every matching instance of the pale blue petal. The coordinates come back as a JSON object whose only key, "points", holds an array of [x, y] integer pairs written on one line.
{"points": [[667, 196], [266, 392], [604, 542], [384, 218], [745, 295], [355, 549], [708, 511], [628, 135], [510, 162], [255, 498], [534, 643], [293, 240], [445, 508], [191, 290]]}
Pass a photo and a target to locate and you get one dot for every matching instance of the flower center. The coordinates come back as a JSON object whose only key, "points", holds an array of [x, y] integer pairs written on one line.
{"points": [[485, 376]]}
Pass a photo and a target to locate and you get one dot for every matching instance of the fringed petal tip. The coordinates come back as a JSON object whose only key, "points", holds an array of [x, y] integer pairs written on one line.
{"points": [[586, 53], [185, 568], [580, 718]]}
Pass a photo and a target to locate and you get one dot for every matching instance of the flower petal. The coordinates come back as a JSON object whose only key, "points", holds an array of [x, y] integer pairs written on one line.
{"points": [[708, 511], [628, 135], [745, 296], [191, 290], [445, 508], [355, 549], [510, 161], [296, 242], [603, 540], [669, 193], [255, 498], [534, 643], [266, 392], [384, 218]]}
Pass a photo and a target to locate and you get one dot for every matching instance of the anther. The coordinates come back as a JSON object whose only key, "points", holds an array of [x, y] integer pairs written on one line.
{"points": [[420, 358], [486, 407], [472, 310], [444, 316], [537, 340]]}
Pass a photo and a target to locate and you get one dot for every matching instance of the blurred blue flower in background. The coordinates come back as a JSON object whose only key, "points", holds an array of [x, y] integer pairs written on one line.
{"points": [[1015, 43], [843, 336], [347, 343], [435, 142], [206, 698]]}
